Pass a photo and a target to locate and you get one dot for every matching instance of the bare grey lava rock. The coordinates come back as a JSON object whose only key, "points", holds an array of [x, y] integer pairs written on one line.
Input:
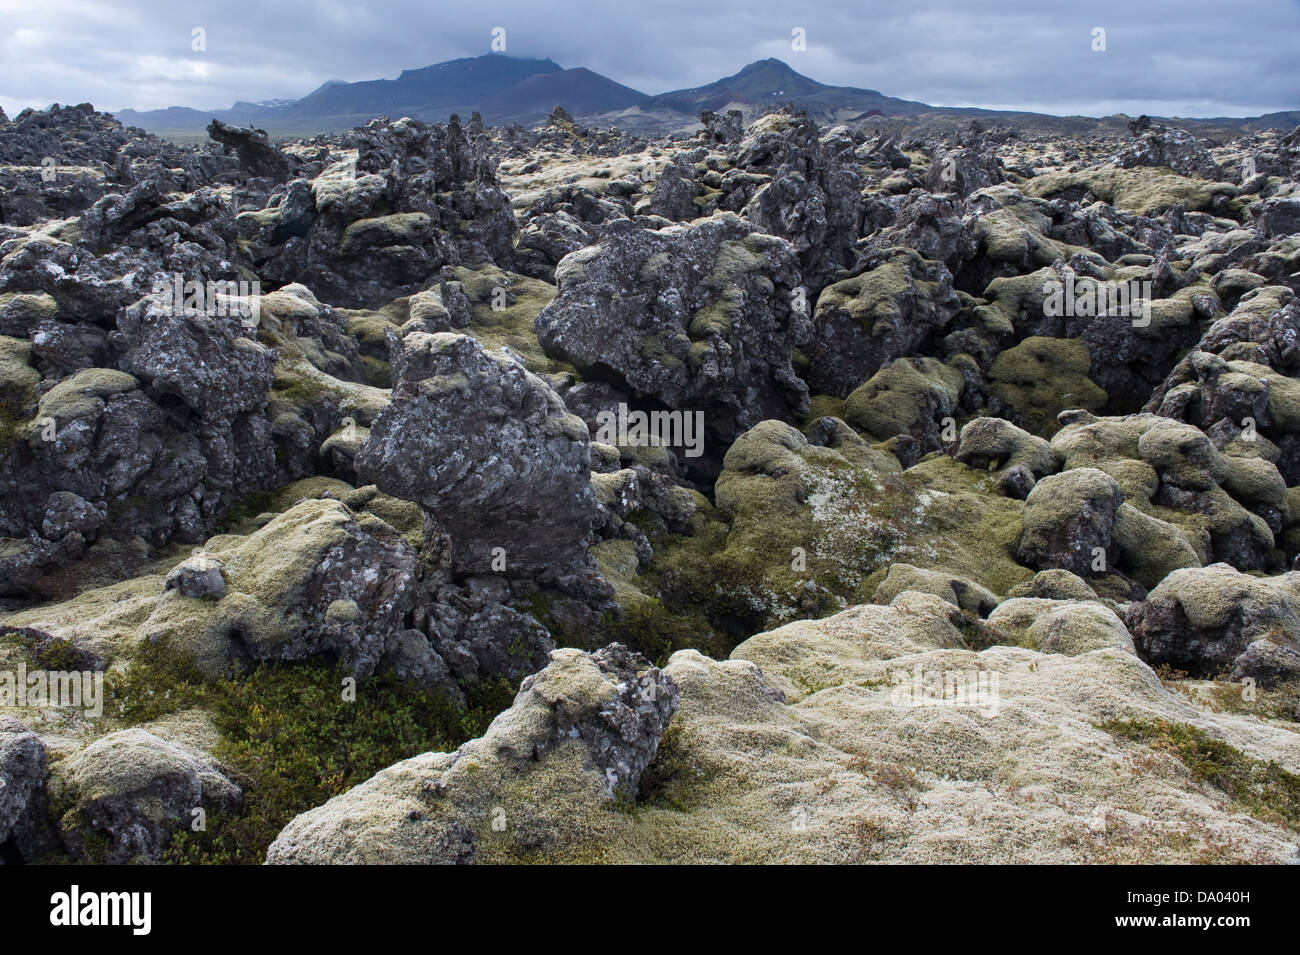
{"points": [[173, 435], [700, 316], [1069, 522], [1277, 216], [23, 776], [813, 198], [930, 223], [963, 169], [256, 154], [489, 450], [895, 307], [481, 639], [72, 135], [198, 577], [1216, 620], [418, 197], [1174, 148]]}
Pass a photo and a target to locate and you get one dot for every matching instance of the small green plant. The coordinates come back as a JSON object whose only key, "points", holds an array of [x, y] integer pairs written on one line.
{"points": [[294, 742], [48, 652], [1223, 694], [291, 738], [673, 780], [157, 682], [1263, 790], [657, 633]]}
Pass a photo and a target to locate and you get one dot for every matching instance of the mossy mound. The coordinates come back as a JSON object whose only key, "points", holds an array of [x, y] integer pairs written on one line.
{"points": [[275, 606], [18, 381], [1014, 233], [802, 529], [399, 229], [19, 312], [1146, 190], [1041, 377], [909, 396], [841, 740], [1060, 626], [1169, 471], [81, 395], [103, 620], [505, 307]]}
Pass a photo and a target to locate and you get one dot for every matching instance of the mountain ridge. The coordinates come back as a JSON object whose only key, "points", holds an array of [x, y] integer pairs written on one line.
{"points": [[509, 89]]}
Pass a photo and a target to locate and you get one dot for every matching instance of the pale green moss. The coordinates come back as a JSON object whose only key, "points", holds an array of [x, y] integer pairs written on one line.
{"points": [[1145, 190], [895, 400], [20, 308], [82, 395], [872, 296], [618, 564], [301, 385], [406, 517], [18, 381], [1151, 548], [103, 620], [368, 329], [1042, 377], [511, 326], [824, 406], [402, 228]]}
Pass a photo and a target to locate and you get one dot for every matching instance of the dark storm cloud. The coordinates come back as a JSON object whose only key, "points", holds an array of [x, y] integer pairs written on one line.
{"points": [[1186, 58]]}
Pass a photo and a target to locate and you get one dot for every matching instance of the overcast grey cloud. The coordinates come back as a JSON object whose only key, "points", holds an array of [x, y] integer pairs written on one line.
{"points": [[1190, 58]]}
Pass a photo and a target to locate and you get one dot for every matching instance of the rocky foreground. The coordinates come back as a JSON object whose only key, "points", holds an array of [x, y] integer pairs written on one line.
{"points": [[443, 493]]}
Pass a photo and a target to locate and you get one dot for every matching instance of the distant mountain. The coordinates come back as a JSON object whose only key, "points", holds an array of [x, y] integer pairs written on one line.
{"points": [[580, 91], [1287, 119], [182, 117], [508, 89], [772, 83], [429, 93], [324, 86]]}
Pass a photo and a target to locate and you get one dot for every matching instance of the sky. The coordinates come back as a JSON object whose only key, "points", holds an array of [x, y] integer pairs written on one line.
{"points": [[1185, 58]]}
